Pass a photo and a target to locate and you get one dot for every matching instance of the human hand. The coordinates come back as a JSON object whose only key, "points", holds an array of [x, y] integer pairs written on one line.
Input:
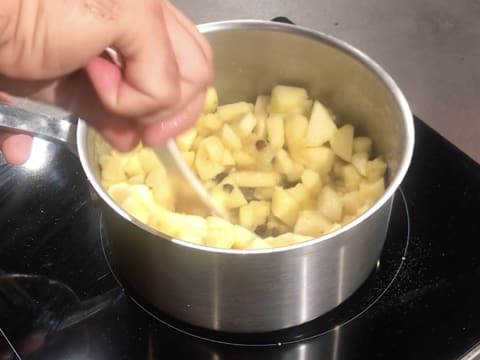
{"points": [[17, 146], [52, 51]]}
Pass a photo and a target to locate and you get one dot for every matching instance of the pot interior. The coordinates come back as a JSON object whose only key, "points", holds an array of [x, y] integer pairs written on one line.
{"points": [[253, 56]]}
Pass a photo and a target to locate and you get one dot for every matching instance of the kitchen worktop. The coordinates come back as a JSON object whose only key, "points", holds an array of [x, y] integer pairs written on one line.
{"points": [[430, 47]]}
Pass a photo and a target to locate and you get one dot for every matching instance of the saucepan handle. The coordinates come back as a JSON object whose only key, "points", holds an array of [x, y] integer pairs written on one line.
{"points": [[60, 130]]}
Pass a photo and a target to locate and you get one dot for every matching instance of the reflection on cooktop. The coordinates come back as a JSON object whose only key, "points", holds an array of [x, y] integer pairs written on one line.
{"points": [[37, 315]]}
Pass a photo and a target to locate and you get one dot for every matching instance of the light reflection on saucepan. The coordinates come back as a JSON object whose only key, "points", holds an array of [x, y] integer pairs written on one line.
{"points": [[40, 156]]}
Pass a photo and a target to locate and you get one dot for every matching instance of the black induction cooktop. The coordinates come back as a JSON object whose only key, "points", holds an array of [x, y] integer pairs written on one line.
{"points": [[59, 298]]}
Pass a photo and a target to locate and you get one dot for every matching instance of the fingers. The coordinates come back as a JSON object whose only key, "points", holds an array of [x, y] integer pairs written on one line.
{"points": [[164, 71], [77, 96], [195, 69], [149, 79], [5, 98], [164, 66], [15, 147], [190, 26], [160, 131]]}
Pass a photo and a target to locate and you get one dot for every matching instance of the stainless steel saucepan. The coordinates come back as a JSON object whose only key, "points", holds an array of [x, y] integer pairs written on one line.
{"points": [[264, 290]]}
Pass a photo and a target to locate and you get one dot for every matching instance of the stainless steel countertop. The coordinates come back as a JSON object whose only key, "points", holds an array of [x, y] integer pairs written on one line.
{"points": [[430, 47]]}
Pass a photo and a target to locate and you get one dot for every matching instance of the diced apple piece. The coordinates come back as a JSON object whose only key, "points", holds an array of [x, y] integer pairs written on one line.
{"points": [[372, 191], [158, 222], [352, 201], [140, 202], [284, 99], [312, 180], [205, 167], [189, 158], [199, 128], [211, 100], [228, 195], [284, 206], [230, 138], [137, 179], [261, 128], [296, 172], [214, 148], [253, 214], [222, 238], [362, 144], [136, 208], [285, 165], [347, 219], [243, 237], [173, 223], [186, 138], [208, 124], [337, 169], [261, 112], [301, 194], [243, 159], [276, 226], [164, 194], [215, 222], [192, 235], [255, 179], [359, 160], [311, 223], [258, 244], [133, 165], [119, 192], [286, 239], [263, 153], [335, 226], [261, 106], [319, 159], [227, 159], [283, 162], [351, 177], [330, 204], [232, 112], [305, 109], [157, 175], [112, 169], [101, 146], [106, 183], [295, 129], [245, 125], [321, 127], [122, 157], [263, 193], [148, 159], [275, 131], [342, 142], [375, 169], [212, 122]]}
